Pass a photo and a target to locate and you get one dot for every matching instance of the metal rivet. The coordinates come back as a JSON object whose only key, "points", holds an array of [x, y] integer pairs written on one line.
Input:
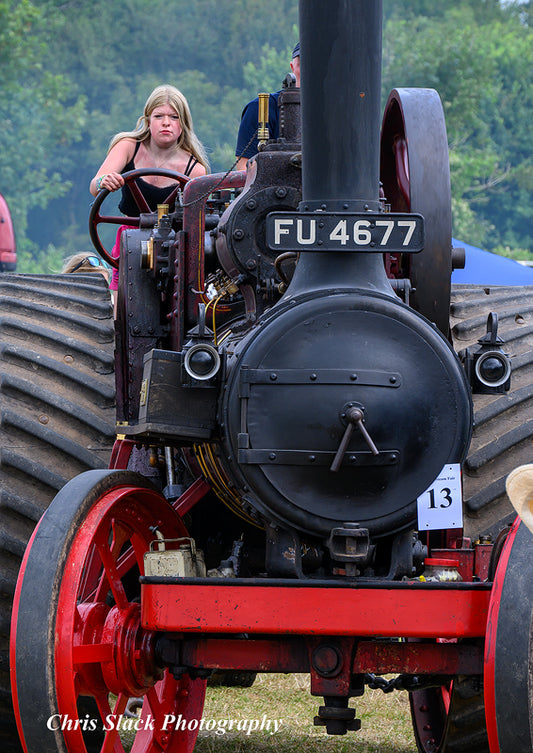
{"points": [[273, 377]]}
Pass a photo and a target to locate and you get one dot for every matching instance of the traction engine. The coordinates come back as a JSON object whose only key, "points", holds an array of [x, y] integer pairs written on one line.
{"points": [[284, 492]]}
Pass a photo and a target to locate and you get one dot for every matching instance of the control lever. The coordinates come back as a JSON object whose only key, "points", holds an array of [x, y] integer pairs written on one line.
{"points": [[354, 417]]}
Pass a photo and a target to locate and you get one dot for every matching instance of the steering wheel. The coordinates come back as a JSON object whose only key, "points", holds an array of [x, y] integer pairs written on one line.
{"points": [[130, 178]]}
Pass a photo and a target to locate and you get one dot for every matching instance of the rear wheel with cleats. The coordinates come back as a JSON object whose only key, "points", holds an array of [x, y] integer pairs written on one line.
{"points": [[57, 415]]}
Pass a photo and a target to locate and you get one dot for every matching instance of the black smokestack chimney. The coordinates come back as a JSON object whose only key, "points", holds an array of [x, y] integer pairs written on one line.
{"points": [[340, 63]]}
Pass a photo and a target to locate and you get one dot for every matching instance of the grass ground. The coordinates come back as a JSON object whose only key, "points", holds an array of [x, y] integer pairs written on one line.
{"points": [[385, 720]]}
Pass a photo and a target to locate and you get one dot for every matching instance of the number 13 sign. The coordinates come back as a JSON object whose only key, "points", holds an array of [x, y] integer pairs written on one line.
{"points": [[441, 505]]}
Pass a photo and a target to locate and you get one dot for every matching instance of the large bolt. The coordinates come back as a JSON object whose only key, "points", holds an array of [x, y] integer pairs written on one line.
{"points": [[327, 660]]}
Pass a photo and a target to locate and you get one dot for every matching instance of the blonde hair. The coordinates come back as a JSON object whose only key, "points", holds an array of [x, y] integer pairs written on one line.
{"points": [[167, 95], [79, 264]]}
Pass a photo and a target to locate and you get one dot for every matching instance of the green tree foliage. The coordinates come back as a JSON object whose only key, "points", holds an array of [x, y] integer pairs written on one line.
{"points": [[74, 73], [479, 57], [38, 114]]}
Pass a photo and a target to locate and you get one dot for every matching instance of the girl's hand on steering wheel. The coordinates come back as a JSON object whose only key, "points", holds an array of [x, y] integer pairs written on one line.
{"points": [[110, 181]]}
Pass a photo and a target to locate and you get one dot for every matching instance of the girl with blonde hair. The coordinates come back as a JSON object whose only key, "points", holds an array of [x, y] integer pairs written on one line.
{"points": [[163, 138]]}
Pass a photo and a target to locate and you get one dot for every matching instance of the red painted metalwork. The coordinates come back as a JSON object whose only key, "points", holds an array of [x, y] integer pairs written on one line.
{"points": [[463, 559], [482, 556], [411, 610], [101, 649], [292, 655], [490, 640], [121, 453], [401, 155], [195, 197], [418, 658], [189, 498]]}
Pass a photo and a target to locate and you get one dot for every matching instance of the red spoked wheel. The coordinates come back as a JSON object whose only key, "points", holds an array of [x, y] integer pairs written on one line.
{"points": [[450, 718], [78, 650], [430, 715]]}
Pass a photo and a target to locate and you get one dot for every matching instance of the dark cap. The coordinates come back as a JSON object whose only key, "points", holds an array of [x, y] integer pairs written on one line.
{"points": [[296, 51]]}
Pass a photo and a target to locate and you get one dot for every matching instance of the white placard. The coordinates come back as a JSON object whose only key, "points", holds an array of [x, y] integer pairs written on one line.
{"points": [[441, 505]]}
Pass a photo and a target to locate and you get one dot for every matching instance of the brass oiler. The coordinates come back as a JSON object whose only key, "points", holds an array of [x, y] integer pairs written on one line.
{"points": [[262, 132]]}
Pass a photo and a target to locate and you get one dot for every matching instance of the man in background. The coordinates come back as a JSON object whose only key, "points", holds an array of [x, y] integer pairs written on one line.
{"points": [[247, 145]]}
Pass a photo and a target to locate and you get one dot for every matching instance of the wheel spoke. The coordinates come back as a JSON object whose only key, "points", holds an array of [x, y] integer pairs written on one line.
{"points": [[112, 741], [171, 198], [91, 575], [99, 647], [159, 699], [119, 219], [138, 197], [112, 575], [92, 653]]}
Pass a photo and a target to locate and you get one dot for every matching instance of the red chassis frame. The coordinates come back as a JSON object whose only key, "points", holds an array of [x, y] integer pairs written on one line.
{"points": [[308, 627], [316, 626]]}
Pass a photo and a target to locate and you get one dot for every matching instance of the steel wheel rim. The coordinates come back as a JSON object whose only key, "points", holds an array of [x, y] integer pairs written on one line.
{"points": [[95, 644], [135, 505]]}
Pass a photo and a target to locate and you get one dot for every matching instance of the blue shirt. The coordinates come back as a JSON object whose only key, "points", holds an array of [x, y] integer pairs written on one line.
{"points": [[249, 124]]}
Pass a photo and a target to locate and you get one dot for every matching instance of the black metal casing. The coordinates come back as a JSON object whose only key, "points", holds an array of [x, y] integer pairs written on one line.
{"points": [[288, 391], [340, 337]]}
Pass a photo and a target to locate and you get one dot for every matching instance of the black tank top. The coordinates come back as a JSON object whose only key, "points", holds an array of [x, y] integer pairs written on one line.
{"points": [[154, 195]]}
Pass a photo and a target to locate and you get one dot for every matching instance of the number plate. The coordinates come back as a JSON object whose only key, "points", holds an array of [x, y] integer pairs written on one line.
{"points": [[441, 505], [322, 231]]}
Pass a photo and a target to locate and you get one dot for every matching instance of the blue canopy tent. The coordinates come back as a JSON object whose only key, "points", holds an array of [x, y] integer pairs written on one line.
{"points": [[485, 268]]}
